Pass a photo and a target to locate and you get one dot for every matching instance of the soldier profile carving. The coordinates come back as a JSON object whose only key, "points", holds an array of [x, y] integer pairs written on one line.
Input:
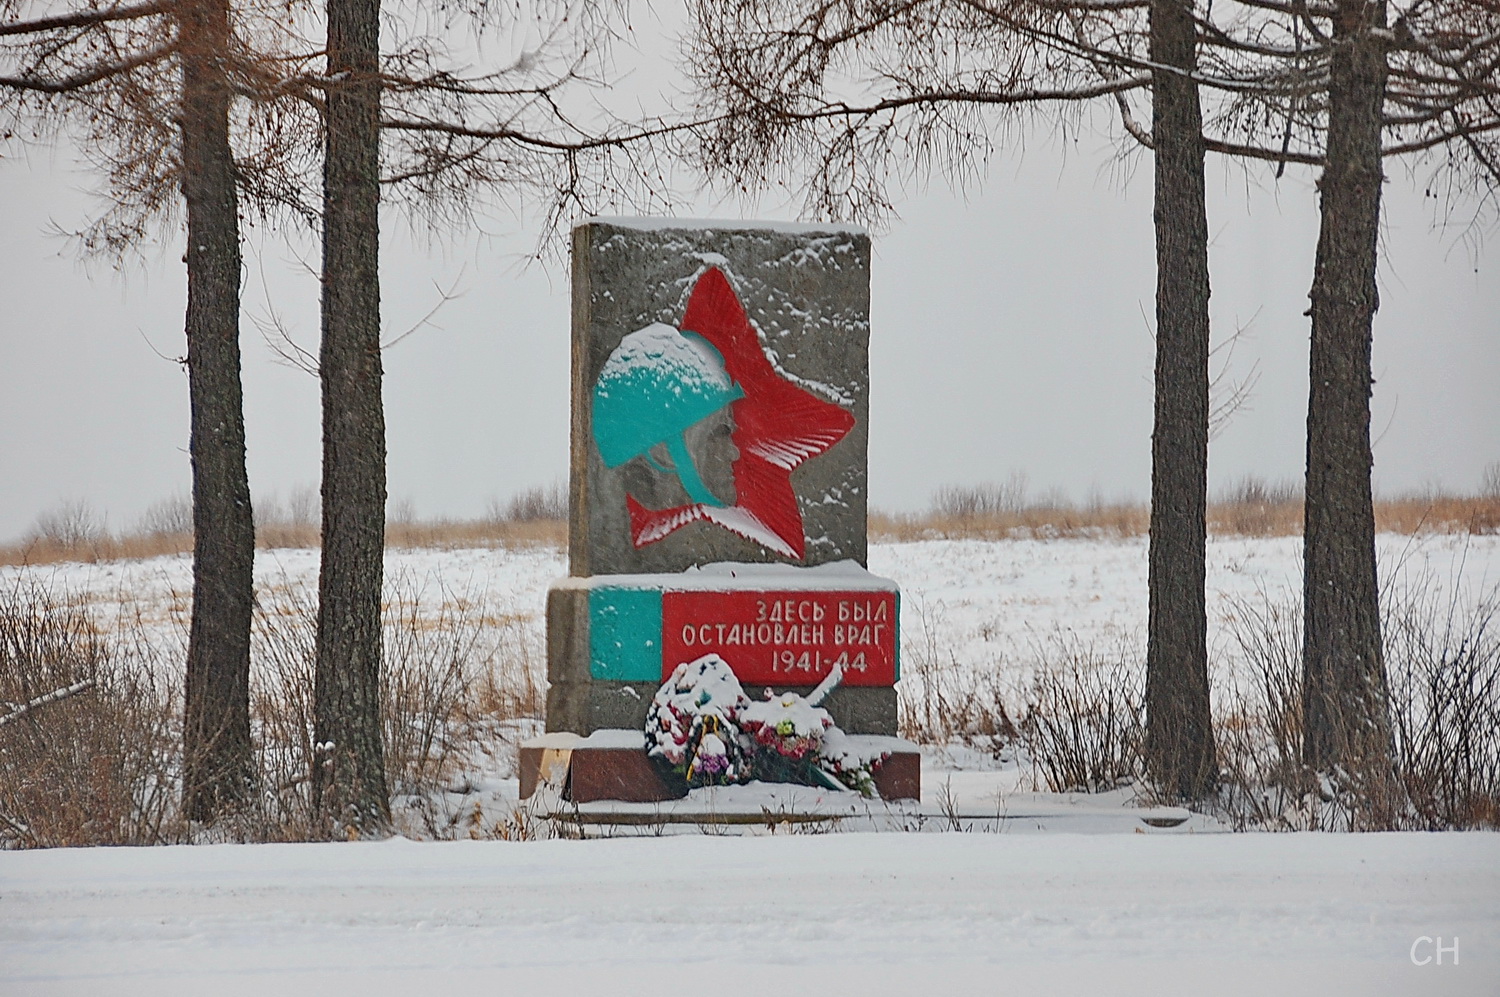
{"points": [[704, 426]]}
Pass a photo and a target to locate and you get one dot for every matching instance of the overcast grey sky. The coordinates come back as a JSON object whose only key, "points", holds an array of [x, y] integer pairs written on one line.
{"points": [[1010, 333]]}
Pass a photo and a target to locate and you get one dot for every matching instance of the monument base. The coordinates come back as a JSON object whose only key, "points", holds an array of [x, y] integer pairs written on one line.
{"points": [[612, 765]]}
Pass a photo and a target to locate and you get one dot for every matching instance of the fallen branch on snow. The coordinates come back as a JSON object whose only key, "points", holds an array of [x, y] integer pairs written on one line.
{"points": [[55, 696]]}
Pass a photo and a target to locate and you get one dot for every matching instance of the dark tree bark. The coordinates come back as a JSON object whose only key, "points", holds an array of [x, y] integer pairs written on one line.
{"points": [[349, 773], [1179, 732], [217, 752], [1344, 689]]}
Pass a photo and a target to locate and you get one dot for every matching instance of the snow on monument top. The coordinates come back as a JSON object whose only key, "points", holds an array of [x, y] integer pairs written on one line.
{"points": [[722, 224]]}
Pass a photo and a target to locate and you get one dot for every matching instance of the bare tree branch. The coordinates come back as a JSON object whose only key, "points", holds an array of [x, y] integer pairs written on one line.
{"points": [[87, 77], [55, 696], [87, 18]]}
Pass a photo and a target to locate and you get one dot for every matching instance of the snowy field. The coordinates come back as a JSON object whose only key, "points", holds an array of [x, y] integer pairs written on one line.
{"points": [[992, 914], [989, 606], [1022, 905]]}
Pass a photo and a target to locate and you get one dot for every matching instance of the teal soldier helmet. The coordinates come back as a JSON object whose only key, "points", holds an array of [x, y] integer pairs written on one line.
{"points": [[656, 384]]}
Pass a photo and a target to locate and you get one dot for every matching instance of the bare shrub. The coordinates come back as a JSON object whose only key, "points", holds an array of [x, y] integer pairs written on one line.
{"points": [[281, 714], [455, 678], [99, 767], [1252, 507], [72, 524], [1084, 719], [1081, 716], [964, 502], [1489, 482], [460, 686], [401, 512], [430, 666], [172, 516], [1258, 720], [532, 505], [995, 511], [941, 701], [304, 506], [1253, 490], [1259, 730], [1443, 667], [90, 726], [293, 523], [1444, 662], [512, 683]]}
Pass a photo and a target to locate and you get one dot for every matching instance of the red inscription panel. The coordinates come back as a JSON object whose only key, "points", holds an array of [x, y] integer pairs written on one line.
{"points": [[784, 638]]}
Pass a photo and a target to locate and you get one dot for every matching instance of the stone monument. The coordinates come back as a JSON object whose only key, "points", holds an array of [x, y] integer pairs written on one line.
{"points": [[720, 399]]}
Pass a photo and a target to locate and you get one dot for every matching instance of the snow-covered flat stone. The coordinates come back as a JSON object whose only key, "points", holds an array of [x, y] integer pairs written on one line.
{"points": [[770, 805]]}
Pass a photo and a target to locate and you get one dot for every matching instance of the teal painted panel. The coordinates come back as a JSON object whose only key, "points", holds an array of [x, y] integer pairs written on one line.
{"points": [[625, 634]]}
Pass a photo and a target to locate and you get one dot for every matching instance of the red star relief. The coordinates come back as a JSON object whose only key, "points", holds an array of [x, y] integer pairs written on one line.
{"points": [[778, 426]]}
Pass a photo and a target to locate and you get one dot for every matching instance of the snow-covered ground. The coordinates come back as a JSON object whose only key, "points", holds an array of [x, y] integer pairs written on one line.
{"points": [[998, 604], [1315, 914], [1124, 908]]}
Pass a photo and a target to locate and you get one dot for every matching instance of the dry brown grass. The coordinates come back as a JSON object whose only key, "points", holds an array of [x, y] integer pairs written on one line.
{"points": [[442, 534], [44, 550], [1439, 514], [446, 534], [1277, 516], [1033, 522], [1250, 509], [1274, 517]]}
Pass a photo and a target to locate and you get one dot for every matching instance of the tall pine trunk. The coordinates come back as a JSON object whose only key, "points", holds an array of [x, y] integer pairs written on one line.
{"points": [[1346, 724], [216, 730], [1179, 733], [349, 772]]}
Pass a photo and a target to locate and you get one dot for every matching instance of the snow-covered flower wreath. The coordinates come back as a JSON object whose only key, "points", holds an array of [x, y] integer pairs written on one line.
{"points": [[691, 725], [703, 730]]}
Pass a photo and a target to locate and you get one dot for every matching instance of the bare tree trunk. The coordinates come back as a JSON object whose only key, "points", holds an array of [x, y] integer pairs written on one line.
{"points": [[349, 773], [1179, 733], [216, 730], [1346, 723]]}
